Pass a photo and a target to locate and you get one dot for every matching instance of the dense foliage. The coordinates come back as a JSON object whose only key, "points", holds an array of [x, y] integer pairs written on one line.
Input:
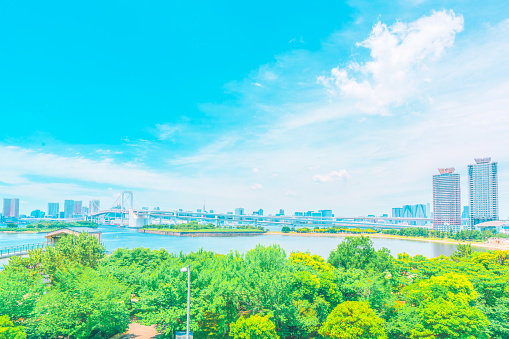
{"points": [[359, 292], [465, 235], [47, 226]]}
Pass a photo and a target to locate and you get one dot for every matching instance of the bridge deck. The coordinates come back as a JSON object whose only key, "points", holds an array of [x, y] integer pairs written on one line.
{"points": [[7, 252]]}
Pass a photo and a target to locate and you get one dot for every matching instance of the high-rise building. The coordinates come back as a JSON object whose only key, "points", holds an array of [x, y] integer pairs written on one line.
{"points": [[68, 208], [84, 210], [53, 209], [94, 206], [7, 207], [239, 211], [483, 191], [11, 208], [446, 201], [77, 207]]}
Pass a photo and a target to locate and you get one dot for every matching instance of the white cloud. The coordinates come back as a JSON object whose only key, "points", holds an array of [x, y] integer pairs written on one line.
{"points": [[165, 131], [256, 187], [255, 170], [401, 55], [331, 176]]}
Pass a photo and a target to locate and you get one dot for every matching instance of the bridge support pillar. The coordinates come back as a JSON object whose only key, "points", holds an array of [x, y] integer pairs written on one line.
{"points": [[136, 220]]}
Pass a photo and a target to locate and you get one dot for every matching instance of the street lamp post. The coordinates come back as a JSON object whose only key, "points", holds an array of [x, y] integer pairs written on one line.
{"points": [[188, 270]]}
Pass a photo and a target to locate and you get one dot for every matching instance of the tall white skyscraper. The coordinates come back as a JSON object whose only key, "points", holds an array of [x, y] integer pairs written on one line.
{"points": [[446, 201], [483, 191]]}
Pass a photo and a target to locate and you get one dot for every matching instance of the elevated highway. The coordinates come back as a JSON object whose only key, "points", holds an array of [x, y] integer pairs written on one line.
{"points": [[139, 218]]}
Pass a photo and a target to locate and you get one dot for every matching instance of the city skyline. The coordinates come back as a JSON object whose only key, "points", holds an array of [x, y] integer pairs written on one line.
{"points": [[71, 207], [351, 109]]}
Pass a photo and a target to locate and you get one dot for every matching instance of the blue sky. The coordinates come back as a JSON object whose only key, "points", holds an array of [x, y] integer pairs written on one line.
{"points": [[350, 106]]}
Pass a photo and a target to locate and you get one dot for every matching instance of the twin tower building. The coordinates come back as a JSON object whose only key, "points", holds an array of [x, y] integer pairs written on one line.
{"points": [[483, 196]]}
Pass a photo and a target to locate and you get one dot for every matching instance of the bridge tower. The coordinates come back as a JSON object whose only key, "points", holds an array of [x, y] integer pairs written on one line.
{"points": [[126, 198]]}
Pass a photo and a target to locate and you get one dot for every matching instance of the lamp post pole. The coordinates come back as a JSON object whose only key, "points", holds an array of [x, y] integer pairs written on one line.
{"points": [[188, 270]]}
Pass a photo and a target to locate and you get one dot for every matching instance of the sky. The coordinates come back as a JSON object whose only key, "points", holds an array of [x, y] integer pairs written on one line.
{"points": [[350, 106]]}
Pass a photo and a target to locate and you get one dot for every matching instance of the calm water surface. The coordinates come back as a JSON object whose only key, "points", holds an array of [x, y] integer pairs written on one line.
{"points": [[115, 237]]}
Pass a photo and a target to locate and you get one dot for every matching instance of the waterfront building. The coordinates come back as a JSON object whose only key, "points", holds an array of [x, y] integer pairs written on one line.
{"points": [[298, 214], [326, 213], [483, 191], [77, 207], [281, 212], [446, 201], [37, 214], [7, 207], [412, 211], [53, 209], [84, 210], [239, 211], [94, 206], [259, 212], [68, 208], [397, 212], [11, 208]]}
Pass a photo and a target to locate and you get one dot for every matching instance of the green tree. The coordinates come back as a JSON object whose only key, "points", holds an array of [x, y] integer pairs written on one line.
{"points": [[359, 253], [83, 250], [81, 304], [353, 320], [462, 251], [285, 229], [254, 327], [9, 331], [19, 291], [446, 319]]}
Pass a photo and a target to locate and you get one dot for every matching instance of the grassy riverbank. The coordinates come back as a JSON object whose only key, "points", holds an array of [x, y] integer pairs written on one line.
{"points": [[47, 226], [207, 230], [483, 244], [195, 227]]}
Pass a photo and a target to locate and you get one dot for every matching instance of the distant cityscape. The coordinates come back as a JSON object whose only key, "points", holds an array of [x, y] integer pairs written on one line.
{"points": [[447, 215]]}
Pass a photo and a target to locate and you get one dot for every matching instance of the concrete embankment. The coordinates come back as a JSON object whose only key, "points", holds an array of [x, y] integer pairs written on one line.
{"points": [[202, 234]]}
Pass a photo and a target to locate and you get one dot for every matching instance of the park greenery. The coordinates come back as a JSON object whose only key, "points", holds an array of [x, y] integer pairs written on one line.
{"points": [[75, 291], [194, 226], [331, 229], [47, 226], [412, 232]]}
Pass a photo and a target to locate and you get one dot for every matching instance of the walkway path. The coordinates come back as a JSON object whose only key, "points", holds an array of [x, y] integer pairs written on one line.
{"points": [[137, 331]]}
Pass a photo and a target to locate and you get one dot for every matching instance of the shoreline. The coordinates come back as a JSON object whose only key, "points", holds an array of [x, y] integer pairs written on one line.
{"points": [[238, 233], [490, 246]]}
